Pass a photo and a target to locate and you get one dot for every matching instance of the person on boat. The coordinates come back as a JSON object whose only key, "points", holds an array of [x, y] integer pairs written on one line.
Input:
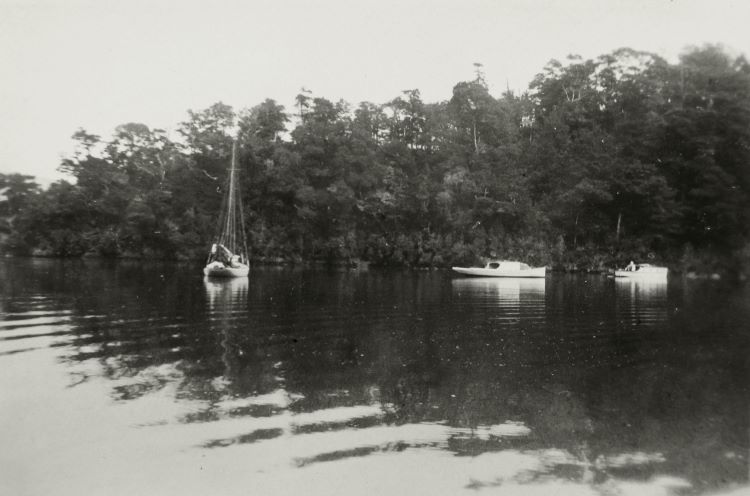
{"points": [[630, 267], [220, 253], [212, 254], [225, 256]]}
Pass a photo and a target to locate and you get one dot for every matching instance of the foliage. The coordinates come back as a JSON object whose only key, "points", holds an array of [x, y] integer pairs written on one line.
{"points": [[600, 161]]}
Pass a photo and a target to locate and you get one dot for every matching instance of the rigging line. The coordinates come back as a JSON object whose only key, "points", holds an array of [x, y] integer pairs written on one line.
{"points": [[230, 207], [242, 228], [233, 200]]}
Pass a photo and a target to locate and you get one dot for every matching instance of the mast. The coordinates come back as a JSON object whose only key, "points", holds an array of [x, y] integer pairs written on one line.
{"points": [[231, 232]]}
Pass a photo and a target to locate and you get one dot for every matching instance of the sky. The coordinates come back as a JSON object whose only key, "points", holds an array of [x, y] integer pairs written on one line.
{"points": [[96, 64]]}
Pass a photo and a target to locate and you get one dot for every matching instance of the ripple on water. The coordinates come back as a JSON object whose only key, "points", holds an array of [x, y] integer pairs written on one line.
{"points": [[368, 384]]}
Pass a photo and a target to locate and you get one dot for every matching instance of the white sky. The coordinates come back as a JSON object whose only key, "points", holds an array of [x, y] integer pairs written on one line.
{"points": [[95, 64]]}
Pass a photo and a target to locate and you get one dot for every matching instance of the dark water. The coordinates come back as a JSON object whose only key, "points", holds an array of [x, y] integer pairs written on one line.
{"points": [[132, 379]]}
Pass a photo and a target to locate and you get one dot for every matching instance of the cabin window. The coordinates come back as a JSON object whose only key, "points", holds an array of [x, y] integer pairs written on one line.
{"points": [[494, 265]]}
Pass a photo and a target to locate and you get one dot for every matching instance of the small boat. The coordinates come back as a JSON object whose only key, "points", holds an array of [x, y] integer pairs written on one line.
{"points": [[638, 271], [503, 268], [228, 254]]}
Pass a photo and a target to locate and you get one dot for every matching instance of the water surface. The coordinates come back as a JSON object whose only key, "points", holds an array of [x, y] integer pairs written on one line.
{"points": [[147, 379]]}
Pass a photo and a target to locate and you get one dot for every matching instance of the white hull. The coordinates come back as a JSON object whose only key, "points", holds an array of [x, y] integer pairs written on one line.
{"points": [[479, 272], [647, 272], [219, 270]]}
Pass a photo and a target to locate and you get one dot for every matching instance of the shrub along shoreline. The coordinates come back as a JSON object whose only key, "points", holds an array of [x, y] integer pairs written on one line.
{"points": [[689, 264]]}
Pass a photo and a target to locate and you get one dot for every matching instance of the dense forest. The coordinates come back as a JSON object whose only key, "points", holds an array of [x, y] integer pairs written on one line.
{"points": [[625, 156]]}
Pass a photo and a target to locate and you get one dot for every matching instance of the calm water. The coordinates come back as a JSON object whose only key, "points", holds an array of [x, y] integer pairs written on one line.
{"points": [[124, 379]]}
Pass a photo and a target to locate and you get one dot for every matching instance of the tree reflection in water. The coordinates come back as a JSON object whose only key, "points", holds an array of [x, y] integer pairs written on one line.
{"points": [[578, 384]]}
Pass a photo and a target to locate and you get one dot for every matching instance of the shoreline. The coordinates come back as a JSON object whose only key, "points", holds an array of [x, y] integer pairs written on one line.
{"points": [[358, 264]]}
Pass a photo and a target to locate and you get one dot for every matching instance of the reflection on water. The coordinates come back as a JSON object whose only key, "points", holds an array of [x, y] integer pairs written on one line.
{"points": [[643, 302], [226, 293], [320, 382], [510, 289], [645, 289]]}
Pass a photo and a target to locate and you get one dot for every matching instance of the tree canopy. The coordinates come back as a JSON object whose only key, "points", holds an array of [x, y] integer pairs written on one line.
{"points": [[600, 160]]}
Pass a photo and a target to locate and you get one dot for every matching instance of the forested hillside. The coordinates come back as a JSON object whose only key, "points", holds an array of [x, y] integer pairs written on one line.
{"points": [[621, 157]]}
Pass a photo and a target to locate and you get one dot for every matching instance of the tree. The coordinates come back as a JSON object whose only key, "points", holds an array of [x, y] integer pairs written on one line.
{"points": [[622, 153], [407, 119], [207, 132], [16, 190], [264, 123], [705, 146]]}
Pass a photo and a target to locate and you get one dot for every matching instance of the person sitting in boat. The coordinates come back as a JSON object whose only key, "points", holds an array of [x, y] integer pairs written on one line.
{"points": [[219, 253], [630, 267], [212, 254]]}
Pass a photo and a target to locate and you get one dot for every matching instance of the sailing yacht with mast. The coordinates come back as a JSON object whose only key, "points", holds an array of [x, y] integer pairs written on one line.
{"points": [[228, 254]]}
